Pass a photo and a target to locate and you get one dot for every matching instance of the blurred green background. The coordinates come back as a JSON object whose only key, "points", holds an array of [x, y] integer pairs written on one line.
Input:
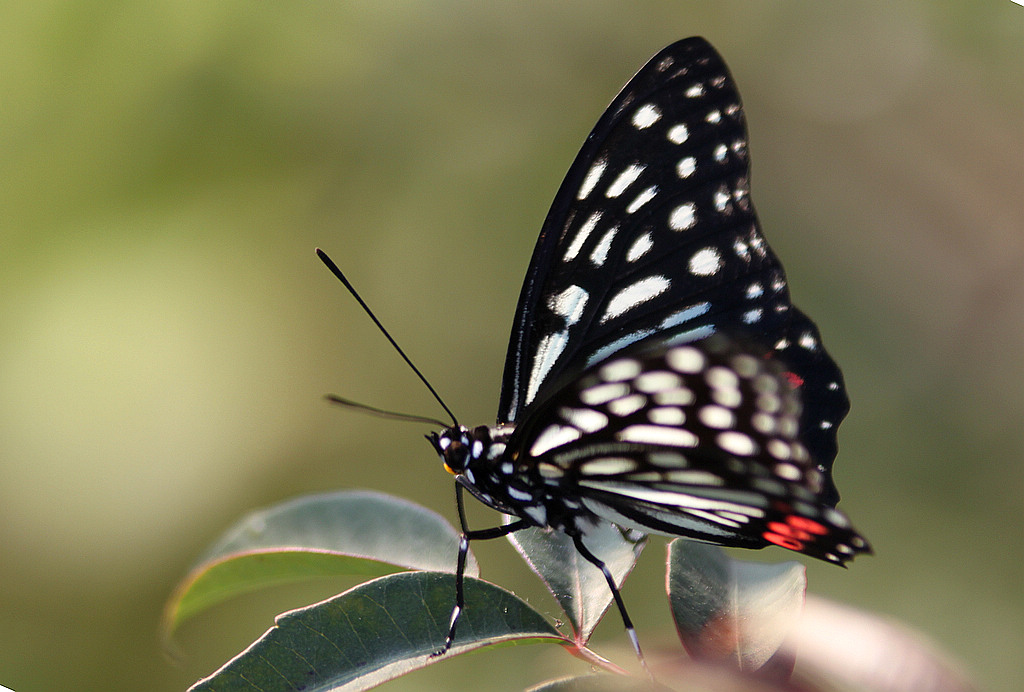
{"points": [[167, 335]]}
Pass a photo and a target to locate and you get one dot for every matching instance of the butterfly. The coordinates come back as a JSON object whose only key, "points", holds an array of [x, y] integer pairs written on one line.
{"points": [[658, 376]]}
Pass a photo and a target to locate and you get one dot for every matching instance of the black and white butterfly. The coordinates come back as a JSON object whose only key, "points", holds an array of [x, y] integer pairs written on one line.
{"points": [[658, 375]]}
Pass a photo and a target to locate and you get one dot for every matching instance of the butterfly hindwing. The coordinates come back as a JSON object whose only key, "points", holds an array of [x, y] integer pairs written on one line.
{"points": [[701, 440]]}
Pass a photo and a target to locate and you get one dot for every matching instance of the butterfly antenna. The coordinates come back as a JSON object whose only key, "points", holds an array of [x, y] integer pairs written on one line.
{"points": [[383, 413], [366, 308]]}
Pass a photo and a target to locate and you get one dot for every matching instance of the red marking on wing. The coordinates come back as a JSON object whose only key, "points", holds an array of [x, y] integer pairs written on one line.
{"points": [[806, 524], [795, 533], [795, 381], [783, 541]]}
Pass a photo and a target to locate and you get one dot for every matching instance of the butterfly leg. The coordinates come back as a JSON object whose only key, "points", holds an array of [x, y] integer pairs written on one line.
{"points": [[597, 562], [460, 570]]}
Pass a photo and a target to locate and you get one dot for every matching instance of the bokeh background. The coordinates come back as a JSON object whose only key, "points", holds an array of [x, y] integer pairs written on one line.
{"points": [[167, 335]]}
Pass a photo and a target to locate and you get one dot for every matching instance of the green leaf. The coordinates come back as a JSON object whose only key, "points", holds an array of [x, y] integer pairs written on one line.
{"points": [[340, 533], [375, 632], [730, 610], [579, 587]]}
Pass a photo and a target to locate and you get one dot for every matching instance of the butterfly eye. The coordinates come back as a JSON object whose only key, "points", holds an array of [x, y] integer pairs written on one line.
{"points": [[455, 456]]}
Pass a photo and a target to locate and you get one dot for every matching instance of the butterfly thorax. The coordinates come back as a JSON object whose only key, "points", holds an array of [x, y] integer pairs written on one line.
{"points": [[483, 463]]}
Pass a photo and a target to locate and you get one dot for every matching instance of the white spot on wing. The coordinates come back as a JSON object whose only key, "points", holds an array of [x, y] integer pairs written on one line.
{"points": [[619, 370], [581, 236], [677, 397], [685, 359], [625, 179], [608, 466], [666, 415], [553, 436], [549, 470], [788, 472], [617, 345], [657, 381], [741, 193], [627, 405], [716, 417], [763, 423], [768, 402], [569, 304], [668, 459], [548, 351], [686, 166], [658, 435], [807, 341], [715, 517], [721, 199], [635, 294], [602, 393], [538, 513], [779, 449], [737, 517], [590, 181], [836, 517], [721, 377], [727, 397], [639, 247], [683, 217], [678, 134], [586, 419], [737, 443], [520, 495], [646, 116], [600, 253], [742, 249], [643, 198], [685, 315], [705, 262], [693, 478]]}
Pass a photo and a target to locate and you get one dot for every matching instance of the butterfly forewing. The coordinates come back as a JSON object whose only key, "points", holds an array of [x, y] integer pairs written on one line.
{"points": [[653, 233]]}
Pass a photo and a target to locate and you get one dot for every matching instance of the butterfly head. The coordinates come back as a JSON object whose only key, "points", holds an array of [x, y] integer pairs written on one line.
{"points": [[459, 446]]}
